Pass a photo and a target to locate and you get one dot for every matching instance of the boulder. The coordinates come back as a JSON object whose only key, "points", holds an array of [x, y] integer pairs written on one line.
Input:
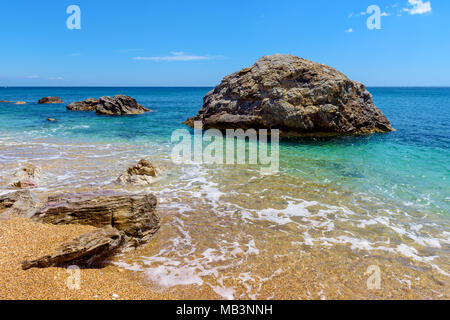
{"points": [[294, 95], [51, 119], [19, 203], [86, 105], [141, 174], [134, 215], [119, 105], [89, 249], [27, 177], [20, 102], [50, 100]]}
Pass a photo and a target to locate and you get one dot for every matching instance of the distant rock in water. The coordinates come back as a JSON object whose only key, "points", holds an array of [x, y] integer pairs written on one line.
{"points": [[119, 105], [51, 119], [5, 101], [20, 102], [143, 173], [294, 95], [50, 100], [86, 105]]}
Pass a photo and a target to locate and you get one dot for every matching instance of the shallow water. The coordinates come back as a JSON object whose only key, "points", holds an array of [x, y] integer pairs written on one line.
{"points": [[337, 206]]}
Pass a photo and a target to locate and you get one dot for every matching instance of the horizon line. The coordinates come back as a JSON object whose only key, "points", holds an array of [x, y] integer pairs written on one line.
{"points": [[207, 86]]}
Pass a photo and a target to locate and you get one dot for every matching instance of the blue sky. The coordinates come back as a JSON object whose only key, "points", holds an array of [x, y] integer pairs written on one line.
{"points": [[197, 43]]}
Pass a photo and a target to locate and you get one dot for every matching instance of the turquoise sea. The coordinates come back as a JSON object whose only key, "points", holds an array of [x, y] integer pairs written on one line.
{"points": [[386, 193]]}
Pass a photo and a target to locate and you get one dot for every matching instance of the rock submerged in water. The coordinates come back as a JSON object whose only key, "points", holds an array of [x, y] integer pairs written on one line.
{"points": [[50, 100], [27, 177], [143, 173], [86, 105], [88, 250], [294, 95], [119, 105], [20, 102]]}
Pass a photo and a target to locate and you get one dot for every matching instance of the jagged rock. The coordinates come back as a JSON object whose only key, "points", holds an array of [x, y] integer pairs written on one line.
{"points": [[50, 100], [19, 203], [294, 95], [141, 174], [86, 105], [89, 249], [119, 105], [135, 215], [20, 102], [27, 177]]}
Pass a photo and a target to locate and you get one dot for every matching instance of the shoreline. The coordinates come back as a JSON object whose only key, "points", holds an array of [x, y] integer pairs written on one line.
{"points": [[22, 239]]}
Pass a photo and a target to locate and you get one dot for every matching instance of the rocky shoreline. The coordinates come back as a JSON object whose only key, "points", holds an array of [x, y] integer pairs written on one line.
{"points": [[122, 220]]}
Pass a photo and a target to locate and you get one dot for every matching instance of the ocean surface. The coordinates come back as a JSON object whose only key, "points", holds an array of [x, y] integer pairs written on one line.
{"points": [[337, 203]]}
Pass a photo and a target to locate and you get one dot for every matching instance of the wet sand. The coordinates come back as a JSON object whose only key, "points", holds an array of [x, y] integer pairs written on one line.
{"points": [[22, 239]]}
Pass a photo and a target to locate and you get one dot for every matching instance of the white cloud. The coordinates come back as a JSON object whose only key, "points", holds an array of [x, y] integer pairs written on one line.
{"points": [[350, 30], [56, 78], [385, 14], [176, 56], [418, 7], [32, 77]]}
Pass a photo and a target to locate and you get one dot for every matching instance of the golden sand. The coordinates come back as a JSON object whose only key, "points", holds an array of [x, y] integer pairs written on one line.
{"points": [[22, 239]]}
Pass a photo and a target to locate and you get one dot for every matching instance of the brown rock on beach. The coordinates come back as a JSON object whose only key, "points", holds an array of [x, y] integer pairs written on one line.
{"points": [[133, 214], [19, 203], [294, 95], [89, 249]]}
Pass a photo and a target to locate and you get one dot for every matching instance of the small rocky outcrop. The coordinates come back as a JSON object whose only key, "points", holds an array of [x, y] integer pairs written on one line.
{"points": [[134, 215], [294, 95], [50, 100], [86, 105], [5, 101], [90, 249], [141, 174], [119, 105], [51, 119], [20, 102], [19, 203], [27, 177]]}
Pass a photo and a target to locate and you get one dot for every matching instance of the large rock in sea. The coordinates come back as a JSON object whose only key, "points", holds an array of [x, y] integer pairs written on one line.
{"points": [[119, 105], [294, 95], [87, 105], [50, 100], [133, 214], [88, 250]]}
